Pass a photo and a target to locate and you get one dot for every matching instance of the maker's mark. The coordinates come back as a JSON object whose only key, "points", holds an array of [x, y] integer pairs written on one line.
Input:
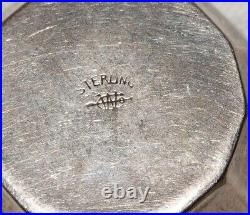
{"points": [[109, 101]]}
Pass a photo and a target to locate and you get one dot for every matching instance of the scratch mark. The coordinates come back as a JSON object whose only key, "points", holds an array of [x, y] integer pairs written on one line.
{"points": [[42, 30], [74, 68], [188, 90]]}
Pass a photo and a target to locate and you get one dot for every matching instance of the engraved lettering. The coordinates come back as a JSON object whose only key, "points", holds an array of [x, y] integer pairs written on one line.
{"points": [[94, 81], [103, 77], [97, 81], [82, 91], [114, 81], [109, 100], [123, 81], [130, 84], [87, 84]]}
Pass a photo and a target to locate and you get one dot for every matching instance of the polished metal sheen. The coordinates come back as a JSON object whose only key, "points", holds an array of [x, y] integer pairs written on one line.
{"points": [[133, 94]]}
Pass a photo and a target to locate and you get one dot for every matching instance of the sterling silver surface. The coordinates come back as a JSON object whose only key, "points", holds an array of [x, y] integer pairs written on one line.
{"points": [[143, 95]]}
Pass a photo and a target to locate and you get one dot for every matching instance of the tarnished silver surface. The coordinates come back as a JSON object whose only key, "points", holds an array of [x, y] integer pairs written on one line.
{"points": [[173, 130]]}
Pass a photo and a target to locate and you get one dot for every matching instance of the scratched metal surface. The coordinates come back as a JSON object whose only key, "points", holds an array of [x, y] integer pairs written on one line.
{"points": [[175, 135]]}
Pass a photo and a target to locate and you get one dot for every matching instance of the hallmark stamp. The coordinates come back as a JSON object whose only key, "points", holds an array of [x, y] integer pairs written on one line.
{"points": [[107, 100]]}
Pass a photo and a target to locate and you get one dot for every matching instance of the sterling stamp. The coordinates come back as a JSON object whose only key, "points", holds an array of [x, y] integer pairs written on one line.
{"points": [[103, 79], [108, 100]]}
